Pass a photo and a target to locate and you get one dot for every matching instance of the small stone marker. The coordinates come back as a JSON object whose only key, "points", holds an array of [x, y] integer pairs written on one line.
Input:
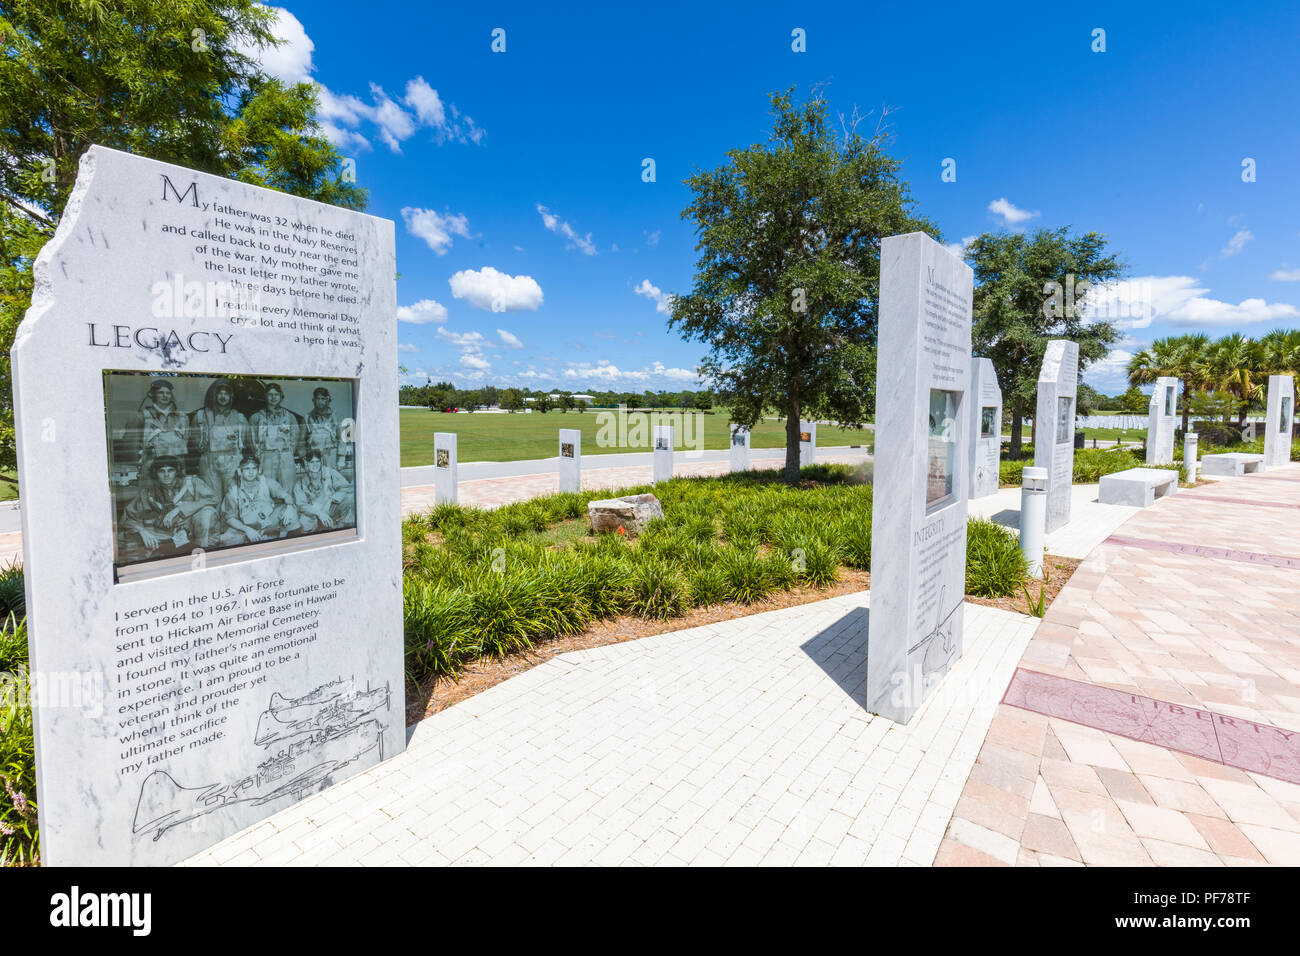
{"points": [[663, 452], [1279, 420], [444, 468], [986, 433], [739, 448], [570, 459], [212, 538], [1058, 384], [807, 443], [1162, 419], [923, 434]]}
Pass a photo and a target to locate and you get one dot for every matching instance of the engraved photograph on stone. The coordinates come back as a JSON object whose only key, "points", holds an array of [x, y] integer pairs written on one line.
{"points": [[1284, 422], [805, 436], [1063, 431], [566, 450], [212, 463], [443, 458], [942, 447], [988, 422]]}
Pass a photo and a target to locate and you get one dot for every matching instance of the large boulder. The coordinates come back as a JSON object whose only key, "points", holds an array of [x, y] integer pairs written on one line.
{"points": [[631, 513]]}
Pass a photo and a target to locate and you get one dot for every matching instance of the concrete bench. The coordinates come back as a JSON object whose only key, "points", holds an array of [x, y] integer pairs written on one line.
{"points": [[1232, 464], [1137, 487]]}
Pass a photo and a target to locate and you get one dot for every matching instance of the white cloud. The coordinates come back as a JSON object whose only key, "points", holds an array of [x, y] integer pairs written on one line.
{"points": [[651, 238], [958, 249], [1011, 215], [1286, 275], [434, 229], [1176, 300], [395, 124], [1237, 243], [465, 340], [475, 361], [604, 371], [407, 347], [291, 61], [1110, 375], [426, 102], [495, 291], [510, 341], [561, 228], [663, 302], [422, 312]]}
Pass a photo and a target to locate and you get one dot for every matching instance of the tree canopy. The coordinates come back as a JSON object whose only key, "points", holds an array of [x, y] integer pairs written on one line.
{"points": [[167, 79], [787, 282], [1016, 313]]}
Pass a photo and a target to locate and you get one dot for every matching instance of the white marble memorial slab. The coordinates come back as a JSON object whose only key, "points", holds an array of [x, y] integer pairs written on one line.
{"points": [[231, 617], [1279, 420], [570, 459], [923, 436], [986, 429], [445, 480], [1058, 384], [1162, 421], [807, 443], [663, 453], [739, 448]]}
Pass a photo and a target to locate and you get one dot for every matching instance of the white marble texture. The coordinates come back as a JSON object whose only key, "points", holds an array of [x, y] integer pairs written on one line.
{"points": [[807, 443], [739, 448], [570, 459], [445, 482], [1137, 487], [923, 433], [99, 807], [1162, 421], [985, 451], [1279, 420], [1058, 384], [663, 452], [1232, 464]]}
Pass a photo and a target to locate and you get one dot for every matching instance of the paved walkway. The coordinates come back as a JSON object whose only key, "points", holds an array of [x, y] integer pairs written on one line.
{"points": [[743, 742], [1155, 717], [1091, 522]]}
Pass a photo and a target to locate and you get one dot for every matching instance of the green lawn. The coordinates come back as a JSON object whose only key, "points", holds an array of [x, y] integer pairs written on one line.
{"points": [[8, 487], [520, 437]]}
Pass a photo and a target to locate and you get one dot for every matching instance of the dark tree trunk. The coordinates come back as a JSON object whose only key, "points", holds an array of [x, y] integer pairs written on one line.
{"points": [[1017, 428], [791, 473]]}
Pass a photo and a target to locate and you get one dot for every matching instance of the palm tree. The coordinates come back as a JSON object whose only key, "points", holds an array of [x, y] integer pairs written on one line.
{"points": [[1234, 364], [1281, 349], [1182, 357]]}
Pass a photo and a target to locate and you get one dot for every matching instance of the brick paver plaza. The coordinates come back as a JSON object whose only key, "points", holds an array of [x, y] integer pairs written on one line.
{"points": [[1149, 719]]}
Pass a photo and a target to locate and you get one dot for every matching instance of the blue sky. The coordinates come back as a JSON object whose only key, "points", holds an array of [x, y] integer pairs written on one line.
{"points": [[515, 177]]}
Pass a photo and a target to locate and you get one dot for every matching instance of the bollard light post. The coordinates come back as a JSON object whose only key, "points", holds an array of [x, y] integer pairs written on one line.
{"points": [[1033, 517]]}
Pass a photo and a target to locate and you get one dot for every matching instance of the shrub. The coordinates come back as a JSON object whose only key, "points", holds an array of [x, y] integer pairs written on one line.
{"points": [[994, 565], [657, 591], [745, 574], [821, 563], [707, 584], [437, 623], [18, 823]]}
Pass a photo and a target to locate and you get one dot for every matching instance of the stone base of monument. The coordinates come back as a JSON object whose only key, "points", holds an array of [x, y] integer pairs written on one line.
{"points": [[631, 513], [1232, 464], [1137, 487]]}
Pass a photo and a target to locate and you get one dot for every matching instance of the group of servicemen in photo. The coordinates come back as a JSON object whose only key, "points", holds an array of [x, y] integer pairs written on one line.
{"points": [[249, 486]]}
